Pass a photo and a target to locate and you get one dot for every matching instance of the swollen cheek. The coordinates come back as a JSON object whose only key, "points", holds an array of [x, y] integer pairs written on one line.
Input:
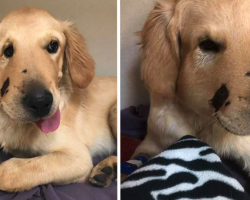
{"points": [[209, 111], [203, 108]]}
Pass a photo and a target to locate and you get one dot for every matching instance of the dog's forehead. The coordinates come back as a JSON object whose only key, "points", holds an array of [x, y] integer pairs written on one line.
{"points": [[212, 10], [29, 23], [216, 19], [32, 18]]}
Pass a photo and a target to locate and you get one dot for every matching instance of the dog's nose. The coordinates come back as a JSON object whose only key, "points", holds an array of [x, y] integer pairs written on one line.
{"points": [[38, 102]]}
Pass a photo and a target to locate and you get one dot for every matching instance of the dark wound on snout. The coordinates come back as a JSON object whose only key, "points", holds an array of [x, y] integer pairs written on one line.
{"points": [[5, 86], [220, 97], [247, 74]]}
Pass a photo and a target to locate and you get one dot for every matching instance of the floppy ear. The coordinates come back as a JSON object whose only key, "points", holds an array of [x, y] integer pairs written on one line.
{"points": [[160, 56], [80, 63]]}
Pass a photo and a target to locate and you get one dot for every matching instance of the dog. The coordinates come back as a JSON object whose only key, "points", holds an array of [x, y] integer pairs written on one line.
{"points": [[55, 114], [196, 67]]}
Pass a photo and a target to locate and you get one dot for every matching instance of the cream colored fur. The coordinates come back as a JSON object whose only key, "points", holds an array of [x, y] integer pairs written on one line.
{"points": [[63, 156]]}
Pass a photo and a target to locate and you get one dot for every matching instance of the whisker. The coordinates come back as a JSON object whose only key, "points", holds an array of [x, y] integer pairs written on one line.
{"points": [[208, 124]]}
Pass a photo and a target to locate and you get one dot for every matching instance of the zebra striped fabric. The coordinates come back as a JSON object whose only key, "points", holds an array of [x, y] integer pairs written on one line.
{"points": [[189, 169]]}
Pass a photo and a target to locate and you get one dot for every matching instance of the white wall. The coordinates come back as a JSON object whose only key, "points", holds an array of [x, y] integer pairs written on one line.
{"points": [[133, 16], [95, 19]]}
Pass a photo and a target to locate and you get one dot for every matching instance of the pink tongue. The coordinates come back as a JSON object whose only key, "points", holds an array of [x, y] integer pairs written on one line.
{"points": [[49, 124]]}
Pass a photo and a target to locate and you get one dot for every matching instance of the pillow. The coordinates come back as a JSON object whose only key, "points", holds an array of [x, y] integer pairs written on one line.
{"points": [[189, 169]]}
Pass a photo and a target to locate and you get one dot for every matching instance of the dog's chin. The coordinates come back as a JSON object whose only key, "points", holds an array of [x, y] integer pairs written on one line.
{"points": [[232, 130]]}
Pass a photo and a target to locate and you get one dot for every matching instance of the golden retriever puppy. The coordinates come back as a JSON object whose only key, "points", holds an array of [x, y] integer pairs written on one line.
{"points": [[196, 66], [55, 115]]}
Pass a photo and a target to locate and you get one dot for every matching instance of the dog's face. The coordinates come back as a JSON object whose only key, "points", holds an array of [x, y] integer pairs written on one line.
{"points": [[199, 52], [36, 51]]}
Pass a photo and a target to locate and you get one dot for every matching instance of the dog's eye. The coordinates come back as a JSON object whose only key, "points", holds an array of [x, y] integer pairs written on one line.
{"points": [[52, 47], [209, 46], [9, 51]]}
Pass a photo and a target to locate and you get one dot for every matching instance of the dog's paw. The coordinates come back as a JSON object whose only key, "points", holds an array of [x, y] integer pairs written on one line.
{"points": [[12, 179], [103, 174]]}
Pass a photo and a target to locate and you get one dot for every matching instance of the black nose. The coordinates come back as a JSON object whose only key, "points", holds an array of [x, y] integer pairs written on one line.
{"points": [[38, 102]]}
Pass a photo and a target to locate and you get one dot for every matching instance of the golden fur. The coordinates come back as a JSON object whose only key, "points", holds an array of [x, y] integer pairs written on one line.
{"points": [[182, 79], [63, 156]]}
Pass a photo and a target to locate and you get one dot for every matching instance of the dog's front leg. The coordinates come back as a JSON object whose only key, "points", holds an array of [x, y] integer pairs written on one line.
{"points": [[59, 167]]}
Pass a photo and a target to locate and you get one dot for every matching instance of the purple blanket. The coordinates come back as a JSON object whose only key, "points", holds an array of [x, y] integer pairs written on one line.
{"points": [[77, 191]]}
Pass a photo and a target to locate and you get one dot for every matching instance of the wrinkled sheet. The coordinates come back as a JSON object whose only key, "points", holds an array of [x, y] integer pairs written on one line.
{"points": [[76, 191]]}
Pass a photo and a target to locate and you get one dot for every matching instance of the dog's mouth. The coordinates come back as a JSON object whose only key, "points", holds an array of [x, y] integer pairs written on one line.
{"points": [[225, 127], [49, 124], [232, 130]]}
